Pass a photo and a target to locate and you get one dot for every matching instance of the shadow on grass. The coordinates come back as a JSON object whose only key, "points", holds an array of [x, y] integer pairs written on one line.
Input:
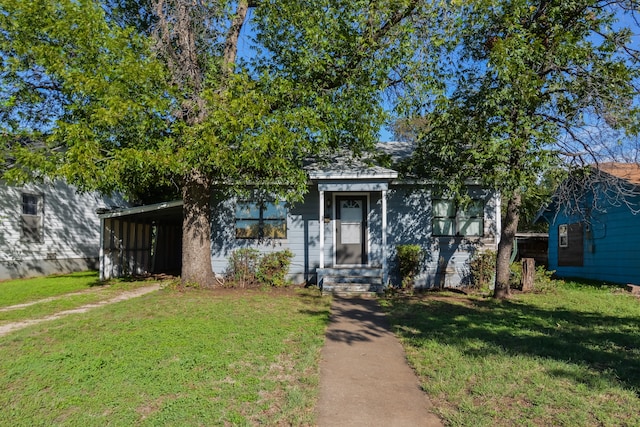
{"points": [[608, 344]]}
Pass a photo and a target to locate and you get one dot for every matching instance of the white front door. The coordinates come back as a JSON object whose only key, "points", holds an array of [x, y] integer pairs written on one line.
{"points": [[351, 230]]}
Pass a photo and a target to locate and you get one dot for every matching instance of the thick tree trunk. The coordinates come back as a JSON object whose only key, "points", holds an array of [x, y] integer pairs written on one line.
{"points": [[505, 247], [196, 231]]}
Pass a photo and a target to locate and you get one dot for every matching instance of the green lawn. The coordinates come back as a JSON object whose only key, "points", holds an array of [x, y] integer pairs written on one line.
{"points": [[45, 296], [169, 358], [24, 290], [570, 356]]}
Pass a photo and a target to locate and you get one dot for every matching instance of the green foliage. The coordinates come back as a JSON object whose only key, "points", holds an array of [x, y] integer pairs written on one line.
{"points": [[409, 259], [483, 269], [528, 87], [273, 268], [92, 92], [241, 269], [248, 268]]}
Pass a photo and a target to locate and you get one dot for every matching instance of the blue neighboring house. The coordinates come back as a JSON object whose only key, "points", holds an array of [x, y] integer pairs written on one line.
{"points": [[344, 234], [595, 236]]}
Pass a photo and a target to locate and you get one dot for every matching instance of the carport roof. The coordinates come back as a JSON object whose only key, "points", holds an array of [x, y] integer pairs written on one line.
{"points": [[156, 211]]}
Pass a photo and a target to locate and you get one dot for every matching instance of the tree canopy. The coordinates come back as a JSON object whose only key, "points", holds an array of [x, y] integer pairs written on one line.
{"points": [[527, 87], [123, 95]]}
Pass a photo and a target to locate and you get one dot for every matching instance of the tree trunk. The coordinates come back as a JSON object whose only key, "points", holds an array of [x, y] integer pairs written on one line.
{"points": [[505, 247], [528, 274], [196, 231]]}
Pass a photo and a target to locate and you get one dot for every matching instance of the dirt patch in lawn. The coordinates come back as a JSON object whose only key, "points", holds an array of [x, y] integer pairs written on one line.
{"points": [[10, 327]]}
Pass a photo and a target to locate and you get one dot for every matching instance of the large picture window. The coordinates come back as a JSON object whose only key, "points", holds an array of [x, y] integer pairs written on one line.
{"points": [[452, 220], [32, 218], [261, 220]]}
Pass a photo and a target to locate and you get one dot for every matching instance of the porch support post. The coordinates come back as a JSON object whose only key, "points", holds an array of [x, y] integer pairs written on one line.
{"points": [[321, 224], [385, 275]]}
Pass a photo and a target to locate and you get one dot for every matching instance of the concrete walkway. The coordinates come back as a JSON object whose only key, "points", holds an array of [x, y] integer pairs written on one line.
{"points": [[364, 376]]}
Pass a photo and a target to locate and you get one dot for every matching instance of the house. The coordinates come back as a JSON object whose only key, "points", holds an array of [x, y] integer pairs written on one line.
{"points": [[346, 229], [49, 228], [593, 232]]}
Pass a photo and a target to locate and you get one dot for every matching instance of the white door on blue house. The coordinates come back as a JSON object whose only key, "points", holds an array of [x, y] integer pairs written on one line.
{"points": [[351, 230]]}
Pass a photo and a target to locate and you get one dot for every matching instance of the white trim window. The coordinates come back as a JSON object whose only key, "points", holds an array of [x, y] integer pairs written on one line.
{"points": [[261, 220], [32, 218], [449, 219], [563, 235]]}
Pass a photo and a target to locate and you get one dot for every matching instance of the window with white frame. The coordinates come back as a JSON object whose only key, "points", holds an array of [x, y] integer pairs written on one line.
{"points": [[450, 219], [261, 220], [563, 236], [32, 218]]}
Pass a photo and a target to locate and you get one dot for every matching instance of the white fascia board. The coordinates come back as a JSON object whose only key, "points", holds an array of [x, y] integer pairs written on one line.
{"points": [[140, 209], [352, 175]]}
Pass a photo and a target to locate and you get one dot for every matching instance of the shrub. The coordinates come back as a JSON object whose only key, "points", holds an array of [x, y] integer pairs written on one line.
{"points": [[409, 257], [274, 267], [241, 269], [483, 268], [247, 268]]}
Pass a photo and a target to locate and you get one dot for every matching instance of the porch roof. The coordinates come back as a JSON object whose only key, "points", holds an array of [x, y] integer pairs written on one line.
{"points": [[344, 166]]}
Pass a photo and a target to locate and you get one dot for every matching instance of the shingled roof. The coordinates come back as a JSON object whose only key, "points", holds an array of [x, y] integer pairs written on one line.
{"points": [[343, 165], [630, 172]]}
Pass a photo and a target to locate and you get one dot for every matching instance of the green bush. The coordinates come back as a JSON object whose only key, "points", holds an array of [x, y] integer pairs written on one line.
{"points": [[409, 257], [483, 269], [247, 268], [241, 269], [274, 267]]}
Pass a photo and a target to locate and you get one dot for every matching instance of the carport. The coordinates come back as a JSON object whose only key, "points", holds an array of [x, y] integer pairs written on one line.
{"points": [[141, 240]]}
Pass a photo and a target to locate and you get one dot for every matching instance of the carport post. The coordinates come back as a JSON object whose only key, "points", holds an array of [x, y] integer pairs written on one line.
{"points": [[101, 260]]}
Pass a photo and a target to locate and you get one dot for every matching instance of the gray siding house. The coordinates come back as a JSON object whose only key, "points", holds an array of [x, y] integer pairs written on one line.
{"points": [[49, 228], [345, 233]]}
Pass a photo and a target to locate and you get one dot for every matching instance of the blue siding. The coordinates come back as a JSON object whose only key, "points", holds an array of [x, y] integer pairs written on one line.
{"points": [[611, 250], [409, 221], [446, 259], [302, 236]]}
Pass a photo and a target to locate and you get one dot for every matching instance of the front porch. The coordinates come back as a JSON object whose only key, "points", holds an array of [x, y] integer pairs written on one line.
{"points": [[352, 202]]}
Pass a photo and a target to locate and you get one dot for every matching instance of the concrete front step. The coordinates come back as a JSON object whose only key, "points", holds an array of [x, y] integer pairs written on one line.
{"points": [[351, 281], [351, 288]]}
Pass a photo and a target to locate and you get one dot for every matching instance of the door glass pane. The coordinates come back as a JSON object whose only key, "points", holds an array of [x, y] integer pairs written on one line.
{"points": [[350, 233], [351, 211]]}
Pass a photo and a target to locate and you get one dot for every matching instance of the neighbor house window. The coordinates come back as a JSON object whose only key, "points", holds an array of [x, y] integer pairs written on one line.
{"points": [[261, 220], [563, 235], [449, 219], [32, 218]]}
